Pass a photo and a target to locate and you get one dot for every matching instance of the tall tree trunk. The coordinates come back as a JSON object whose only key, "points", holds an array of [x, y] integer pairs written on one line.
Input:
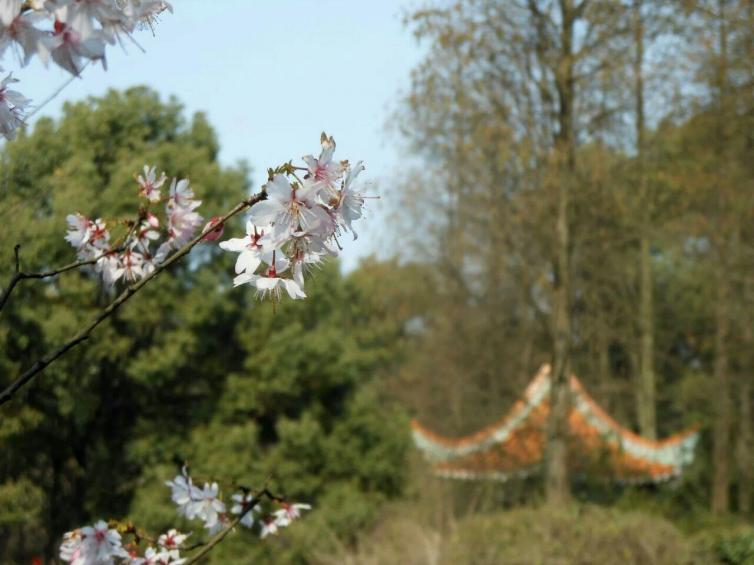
{"points": [[745, 432], [721, 439], [721, 428], [743, 449], [557, 488], [646, 402]]}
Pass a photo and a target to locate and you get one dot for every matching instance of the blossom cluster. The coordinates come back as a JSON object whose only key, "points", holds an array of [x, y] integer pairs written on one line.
{"points": [[207, 505], [289, 232], [68, 32], [102, 545], [298, 224], [138, 254]]}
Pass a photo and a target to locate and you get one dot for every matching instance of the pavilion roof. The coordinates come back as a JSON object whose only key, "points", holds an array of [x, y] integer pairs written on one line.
{"points": [[514, 445]]}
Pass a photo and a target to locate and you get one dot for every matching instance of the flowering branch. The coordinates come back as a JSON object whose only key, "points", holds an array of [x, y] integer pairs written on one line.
{"points": [[18, 276], [132, 289], [224, 532]]}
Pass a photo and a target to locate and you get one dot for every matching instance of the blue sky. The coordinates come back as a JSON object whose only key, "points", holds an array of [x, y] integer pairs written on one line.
{"points": [[271, 75]]}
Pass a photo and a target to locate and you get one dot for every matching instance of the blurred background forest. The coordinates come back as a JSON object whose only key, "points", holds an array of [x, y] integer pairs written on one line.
{"points": [[581, 192]]}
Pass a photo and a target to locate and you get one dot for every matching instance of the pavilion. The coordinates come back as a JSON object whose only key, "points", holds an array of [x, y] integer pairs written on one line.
{"points": [[598, 445]]}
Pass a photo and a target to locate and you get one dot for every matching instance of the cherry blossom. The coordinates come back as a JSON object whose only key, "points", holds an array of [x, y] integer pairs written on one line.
{"points": [[289, 512], [75, 41], [324, 170], [182, 195], [92, 545], [110, 268], [291, 208], [146, 232], [20, 28], [12, 106], [78, 229], [251, 252], [183, 493], [269, 527], [70, 32], [170, 543], [208, 507], [350, 202], [131, 263], [302, 219], [150, 183], [269, 284], [242, 502]]}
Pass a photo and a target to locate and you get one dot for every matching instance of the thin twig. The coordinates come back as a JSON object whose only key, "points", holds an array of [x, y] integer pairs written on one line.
{"points": [[52, 96], [19, 276], [85, 333], [221, 534]]}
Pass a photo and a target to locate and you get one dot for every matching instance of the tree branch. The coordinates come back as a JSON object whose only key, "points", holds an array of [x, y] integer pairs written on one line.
{"points": [[84, 333], [19, 276], [221, 534]]}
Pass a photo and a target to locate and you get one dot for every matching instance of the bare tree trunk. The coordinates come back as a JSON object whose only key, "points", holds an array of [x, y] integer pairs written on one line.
{"points": [[721, 429], [721, 439], [646, 408], [646, 405], [557, 489], [743, 449], [745, 432]]}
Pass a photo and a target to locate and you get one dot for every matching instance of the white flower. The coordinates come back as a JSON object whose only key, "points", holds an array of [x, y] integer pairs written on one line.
{"points": [[250, 250], [171, 543], [182, 196], [208, 507], [12, 105], [92, 545], [274, 286], [289, 512], [110, 268], [150, 183], [74, 39], [184, 493], [78, 230], [324, 170], [291, 209], [350, 202], [19, 27], [131, 262], [99, 237], [146, 232], [269, 527], [242, 502]]}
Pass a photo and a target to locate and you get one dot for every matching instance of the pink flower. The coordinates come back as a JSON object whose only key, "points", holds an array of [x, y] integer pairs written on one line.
{"points": [[214, 229]]}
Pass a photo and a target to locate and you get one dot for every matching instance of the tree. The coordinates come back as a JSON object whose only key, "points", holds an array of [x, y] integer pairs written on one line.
{"points": [[192, 369]]}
